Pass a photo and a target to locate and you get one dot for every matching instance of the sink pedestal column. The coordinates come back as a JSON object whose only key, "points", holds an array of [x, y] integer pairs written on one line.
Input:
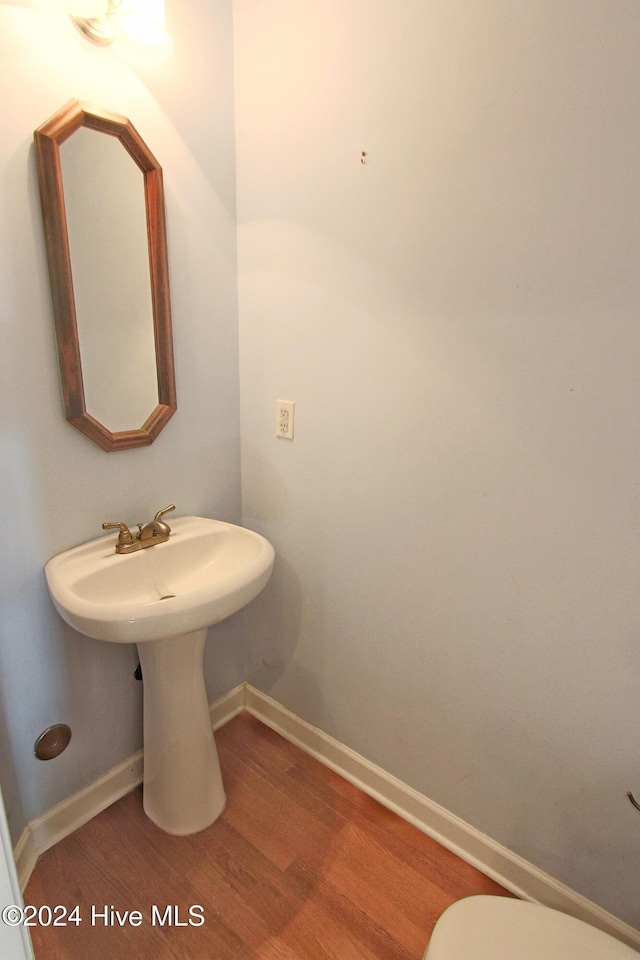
{"points": [[183, 791]]}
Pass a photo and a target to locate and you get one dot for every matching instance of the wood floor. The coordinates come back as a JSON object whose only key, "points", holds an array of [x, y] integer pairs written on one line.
{"points": [[301, 866]]}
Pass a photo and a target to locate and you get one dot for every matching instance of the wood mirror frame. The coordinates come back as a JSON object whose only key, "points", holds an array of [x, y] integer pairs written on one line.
{"points": [[48, 139]]}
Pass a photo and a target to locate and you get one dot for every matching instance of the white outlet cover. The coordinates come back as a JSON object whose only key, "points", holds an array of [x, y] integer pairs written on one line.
{"points": [[285, 410]]}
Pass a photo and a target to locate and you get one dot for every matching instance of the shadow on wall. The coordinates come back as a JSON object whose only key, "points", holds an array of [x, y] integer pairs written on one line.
{"points": [[273, 630], [225, 656]]}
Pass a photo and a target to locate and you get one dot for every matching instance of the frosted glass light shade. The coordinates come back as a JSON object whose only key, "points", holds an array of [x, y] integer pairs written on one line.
{"points": [[143, 21], [89, 9]]}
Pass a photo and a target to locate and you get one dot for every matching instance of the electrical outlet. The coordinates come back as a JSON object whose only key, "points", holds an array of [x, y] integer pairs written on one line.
{"points": [[284, 418]]}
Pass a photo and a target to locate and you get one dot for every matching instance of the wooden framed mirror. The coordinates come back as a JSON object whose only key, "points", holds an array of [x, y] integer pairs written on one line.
{"points": [[102, 199]]}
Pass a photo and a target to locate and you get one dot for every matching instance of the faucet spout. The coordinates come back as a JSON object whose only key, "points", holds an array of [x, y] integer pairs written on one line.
{"points": [[147, 535], [156, 531]]}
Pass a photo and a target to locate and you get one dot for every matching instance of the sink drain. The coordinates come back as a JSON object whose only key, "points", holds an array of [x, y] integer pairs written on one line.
{"points": [[168, 596]]}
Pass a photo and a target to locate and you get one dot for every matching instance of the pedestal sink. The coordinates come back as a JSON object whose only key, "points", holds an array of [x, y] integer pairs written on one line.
{"points": [[163, 599]]}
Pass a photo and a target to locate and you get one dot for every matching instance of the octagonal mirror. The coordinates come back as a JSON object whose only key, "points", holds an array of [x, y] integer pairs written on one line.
{"points": [[102, 201]]}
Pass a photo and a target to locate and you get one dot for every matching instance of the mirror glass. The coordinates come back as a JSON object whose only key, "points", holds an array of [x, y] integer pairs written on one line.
{"points": [[103, 210], [107, 224]]}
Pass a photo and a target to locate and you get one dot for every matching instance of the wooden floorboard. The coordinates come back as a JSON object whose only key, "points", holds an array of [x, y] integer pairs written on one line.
{"points": [[300, 866]]}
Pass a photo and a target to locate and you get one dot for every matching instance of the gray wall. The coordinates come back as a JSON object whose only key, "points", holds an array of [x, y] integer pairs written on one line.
{"points": [[457, 522], [56, 487]]}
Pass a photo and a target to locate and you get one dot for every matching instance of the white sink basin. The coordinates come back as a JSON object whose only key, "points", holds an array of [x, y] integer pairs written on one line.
{"points": [[163, 598], [205, 572]]}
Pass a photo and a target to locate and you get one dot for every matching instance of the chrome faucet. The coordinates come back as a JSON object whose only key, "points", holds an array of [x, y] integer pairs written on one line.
{"points": [[147, 535]]}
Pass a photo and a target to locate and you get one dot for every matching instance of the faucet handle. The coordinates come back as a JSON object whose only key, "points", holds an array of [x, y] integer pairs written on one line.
{"points": [[125, 535], [160, 514]]}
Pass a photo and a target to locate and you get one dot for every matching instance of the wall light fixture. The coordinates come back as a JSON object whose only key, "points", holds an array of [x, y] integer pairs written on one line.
{"points": [[140, 21]]}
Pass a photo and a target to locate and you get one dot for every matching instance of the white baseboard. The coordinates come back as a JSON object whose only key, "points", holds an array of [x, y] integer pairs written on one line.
{"points": [[507, 868], [65, 817]]}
